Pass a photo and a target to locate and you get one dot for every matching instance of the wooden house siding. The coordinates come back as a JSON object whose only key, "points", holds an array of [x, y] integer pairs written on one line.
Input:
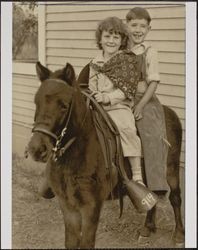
{"points": [[23, 89], [70, 37]]}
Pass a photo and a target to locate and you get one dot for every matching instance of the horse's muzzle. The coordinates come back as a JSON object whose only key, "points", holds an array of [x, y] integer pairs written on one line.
{"points": [[39, 148]]}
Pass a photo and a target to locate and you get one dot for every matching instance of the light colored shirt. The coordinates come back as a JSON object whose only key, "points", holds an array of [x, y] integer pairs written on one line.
{"points": [[100, 82], [151, 60]]}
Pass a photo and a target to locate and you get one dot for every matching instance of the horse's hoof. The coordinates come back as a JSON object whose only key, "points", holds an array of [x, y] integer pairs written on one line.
{"points": [[143, 242], [179, 241], [179, 237], [146, 231], [47, 194], [180, 245]]}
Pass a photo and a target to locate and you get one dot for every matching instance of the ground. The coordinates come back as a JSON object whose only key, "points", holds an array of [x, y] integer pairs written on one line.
{"points": [[37, 223]]}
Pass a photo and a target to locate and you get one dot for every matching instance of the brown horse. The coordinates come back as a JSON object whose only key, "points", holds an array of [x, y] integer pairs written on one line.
{"points": [[77, 175]]}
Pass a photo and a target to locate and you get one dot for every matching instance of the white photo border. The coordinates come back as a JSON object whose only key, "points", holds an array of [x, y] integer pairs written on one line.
{"points": [[191, 125]]}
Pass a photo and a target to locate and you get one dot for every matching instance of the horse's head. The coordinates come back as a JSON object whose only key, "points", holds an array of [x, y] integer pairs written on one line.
{"points": [[53, 100]]}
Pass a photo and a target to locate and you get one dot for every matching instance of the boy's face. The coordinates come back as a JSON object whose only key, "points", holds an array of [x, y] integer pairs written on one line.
{"points": [[110, 42], [138, 28]]}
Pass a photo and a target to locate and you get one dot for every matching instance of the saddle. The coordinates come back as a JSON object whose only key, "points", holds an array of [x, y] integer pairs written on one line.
{"points": [[108, 135], [106, 129], [109, 138]]}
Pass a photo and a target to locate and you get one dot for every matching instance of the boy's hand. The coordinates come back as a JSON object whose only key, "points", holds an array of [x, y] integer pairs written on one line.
{"points": [[101, 98], [137, 111]]}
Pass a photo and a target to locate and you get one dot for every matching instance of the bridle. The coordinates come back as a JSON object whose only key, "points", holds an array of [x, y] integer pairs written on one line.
{"points": [[58, 149], [45, 131]]}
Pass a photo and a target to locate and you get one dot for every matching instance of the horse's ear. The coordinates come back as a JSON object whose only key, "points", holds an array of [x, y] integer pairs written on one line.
{"points": [[42, 72], [84, 75], [69, 74]]}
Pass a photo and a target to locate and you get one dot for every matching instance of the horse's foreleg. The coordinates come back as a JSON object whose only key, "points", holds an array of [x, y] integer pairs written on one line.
{"points": [[90, 216], [175, 200], [149, 225], [72, 220]]}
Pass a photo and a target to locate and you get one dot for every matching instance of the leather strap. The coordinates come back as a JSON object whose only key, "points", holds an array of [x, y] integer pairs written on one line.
{"points": [[44, 131], [101, 111]]}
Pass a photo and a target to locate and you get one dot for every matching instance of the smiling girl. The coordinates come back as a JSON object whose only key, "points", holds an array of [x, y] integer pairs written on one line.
{"points": [[113, 81]]}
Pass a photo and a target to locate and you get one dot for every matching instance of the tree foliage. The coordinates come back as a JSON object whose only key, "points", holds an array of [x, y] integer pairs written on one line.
{"points": [[25, 29]]}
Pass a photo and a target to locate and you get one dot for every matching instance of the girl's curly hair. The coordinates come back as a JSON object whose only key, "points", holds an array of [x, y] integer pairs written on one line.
{"points": [[113, 25]]}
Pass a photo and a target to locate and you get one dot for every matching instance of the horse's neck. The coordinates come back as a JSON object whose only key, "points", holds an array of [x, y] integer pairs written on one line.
{"points": [[81, 117]]}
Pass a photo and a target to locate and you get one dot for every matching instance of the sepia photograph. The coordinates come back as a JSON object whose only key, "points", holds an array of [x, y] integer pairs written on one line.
{"points": [[102, 125]]}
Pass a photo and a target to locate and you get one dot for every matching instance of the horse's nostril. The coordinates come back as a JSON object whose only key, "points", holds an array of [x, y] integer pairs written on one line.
{"points": [[43, 148], [43, 151]]}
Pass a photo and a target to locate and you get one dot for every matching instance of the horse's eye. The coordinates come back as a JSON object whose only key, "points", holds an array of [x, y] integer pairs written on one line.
{"points": [[62, 105]]}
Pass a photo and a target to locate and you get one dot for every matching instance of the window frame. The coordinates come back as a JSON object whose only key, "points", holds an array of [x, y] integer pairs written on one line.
{"points": [[28, 68]]}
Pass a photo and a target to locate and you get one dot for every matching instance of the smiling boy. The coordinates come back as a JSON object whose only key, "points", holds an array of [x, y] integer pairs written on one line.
{"points": [[148, 111]]}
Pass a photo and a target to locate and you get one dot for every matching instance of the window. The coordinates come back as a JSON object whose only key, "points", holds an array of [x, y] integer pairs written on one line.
{"points": [[25, 32]]}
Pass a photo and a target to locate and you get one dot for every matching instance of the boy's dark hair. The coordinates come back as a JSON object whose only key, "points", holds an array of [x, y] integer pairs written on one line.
{"points": [[113, 25], [138, 13]]}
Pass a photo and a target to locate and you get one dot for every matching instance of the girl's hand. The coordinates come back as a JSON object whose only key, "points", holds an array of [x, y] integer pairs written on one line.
{"points": [[137, 111], [98, 97], [101, 98]]}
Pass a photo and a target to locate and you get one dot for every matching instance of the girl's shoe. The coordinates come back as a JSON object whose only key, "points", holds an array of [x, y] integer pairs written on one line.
{"points": [[140, 182]]}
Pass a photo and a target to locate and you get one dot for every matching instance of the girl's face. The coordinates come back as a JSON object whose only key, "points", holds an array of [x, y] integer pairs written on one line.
{"points": [[110, 43], [138, 28]]}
